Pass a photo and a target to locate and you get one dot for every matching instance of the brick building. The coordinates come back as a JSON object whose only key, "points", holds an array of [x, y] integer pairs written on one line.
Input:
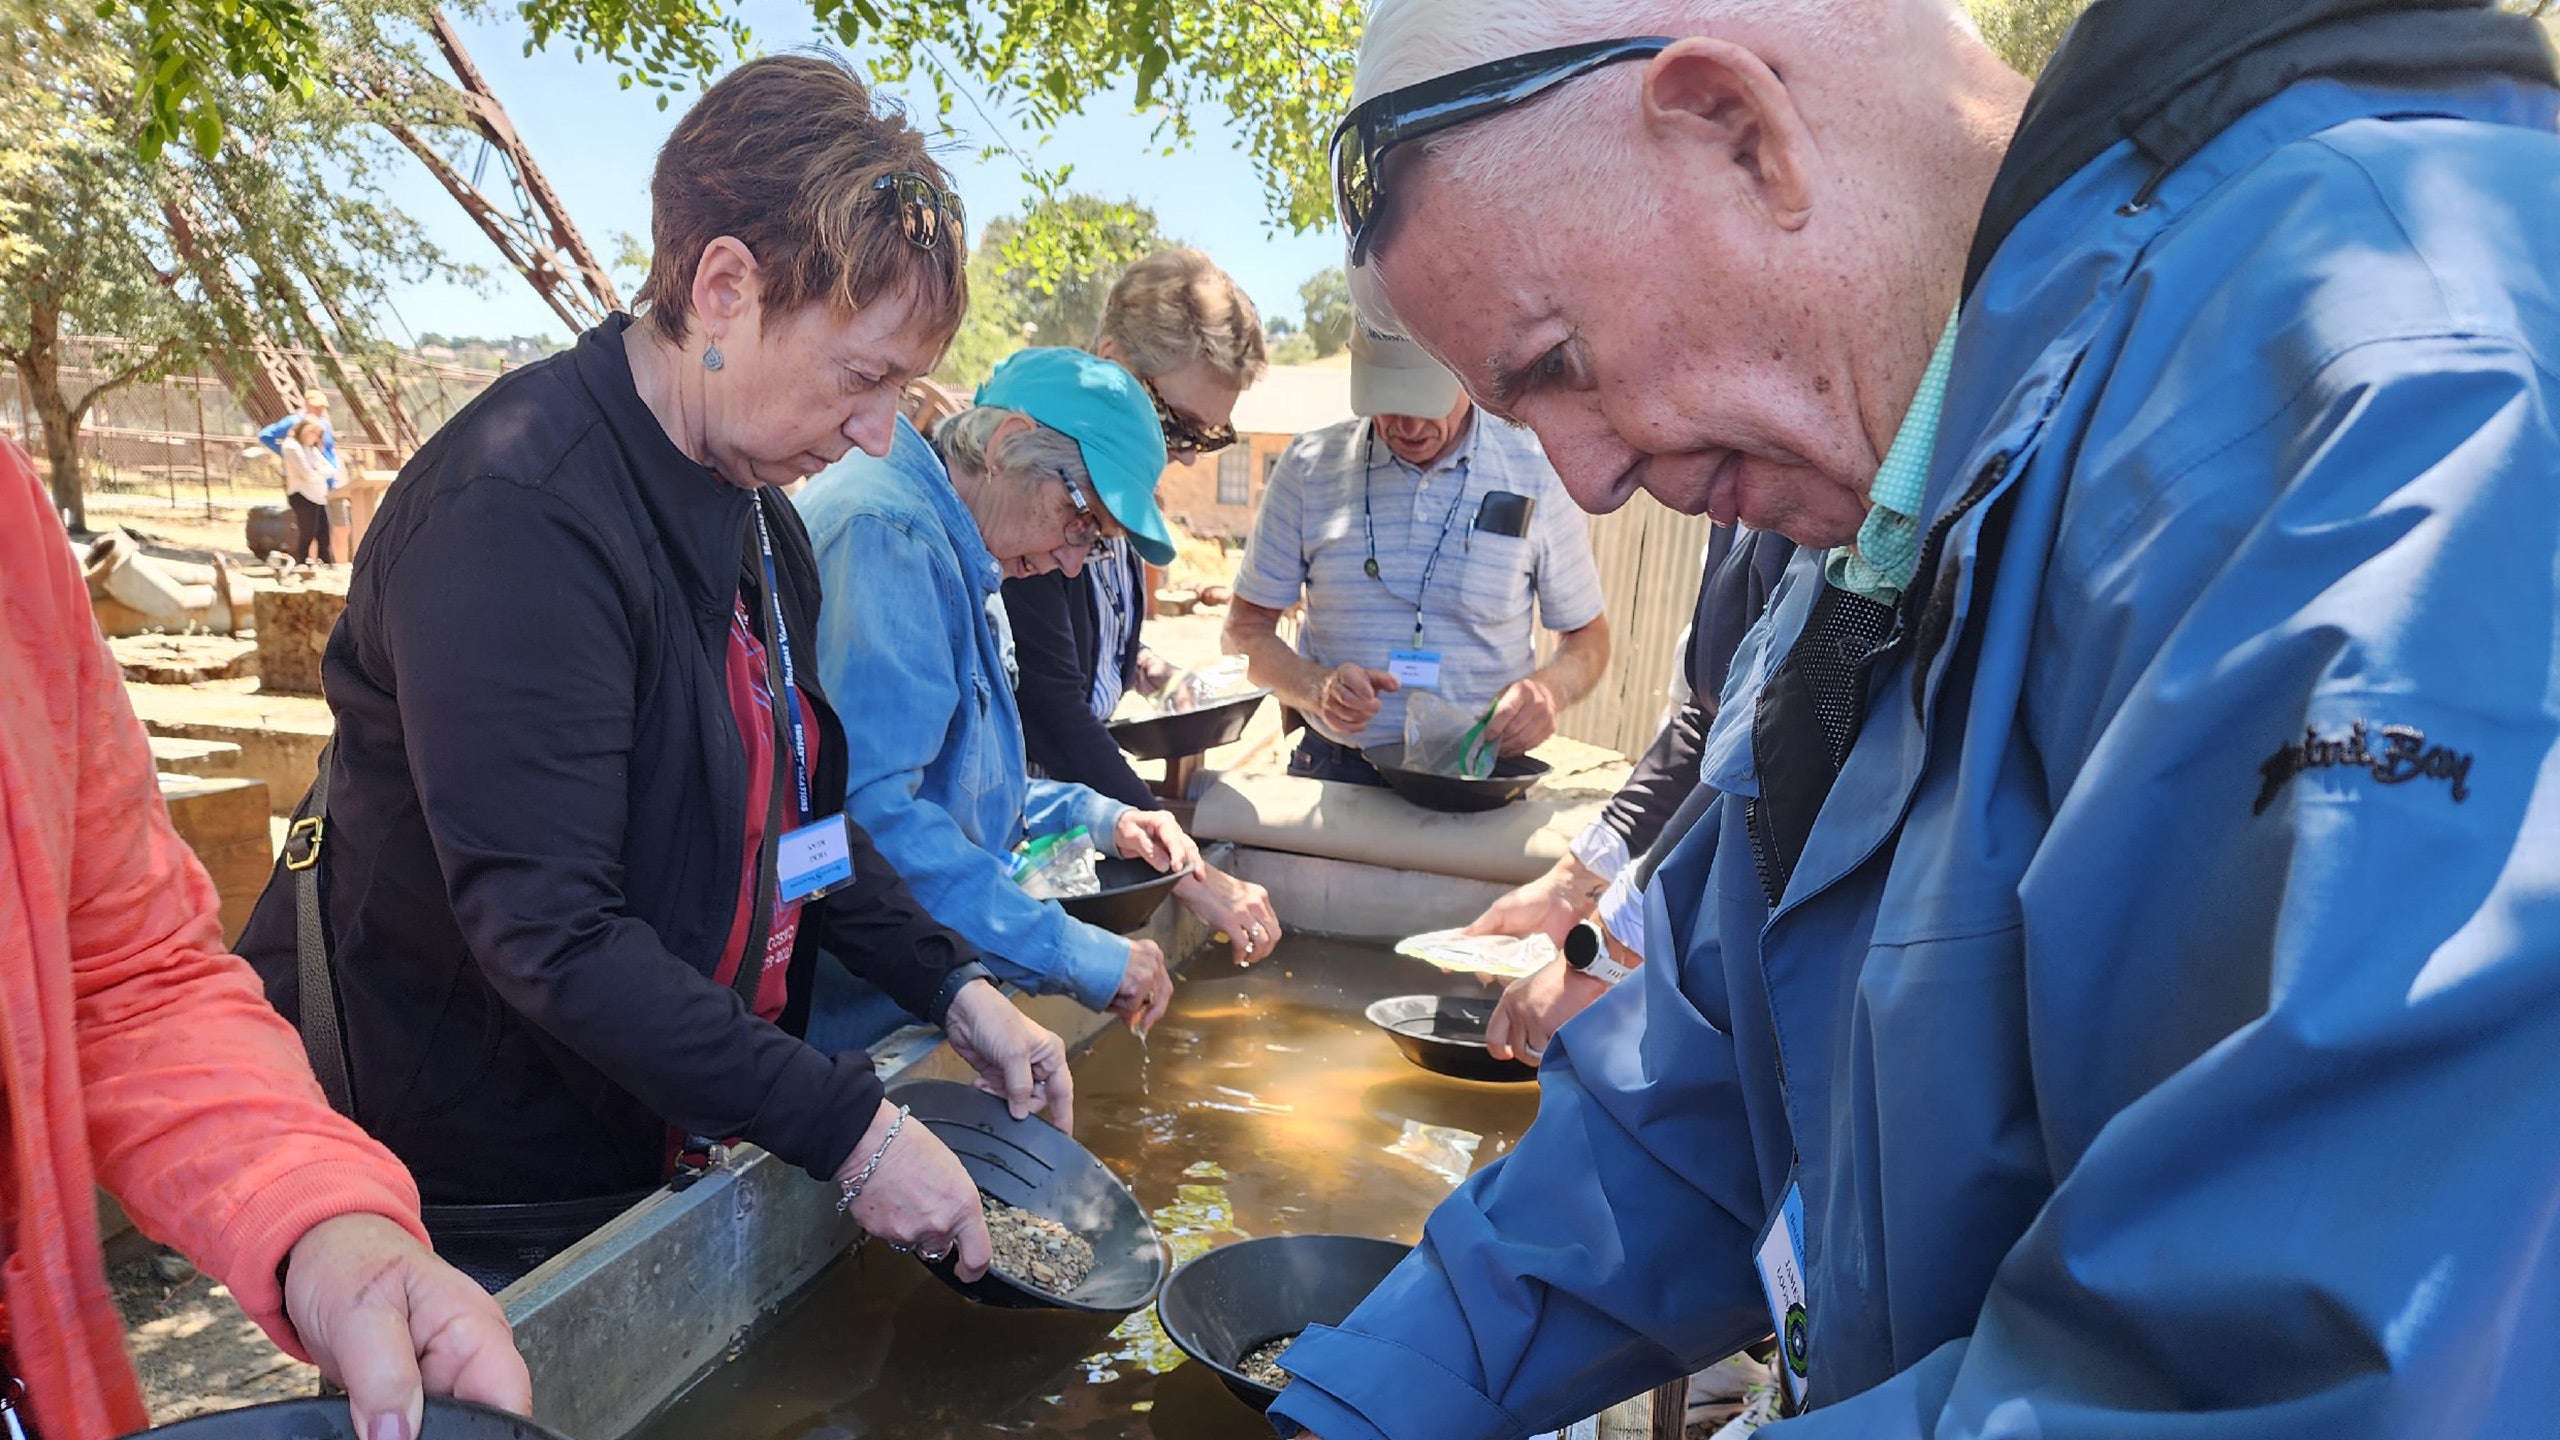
{"points": [[1215, 496]]}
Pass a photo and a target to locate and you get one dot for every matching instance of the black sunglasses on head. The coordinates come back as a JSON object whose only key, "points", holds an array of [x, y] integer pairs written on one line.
{"points": [[1180, 433], [1382, 122], [925, 209]]}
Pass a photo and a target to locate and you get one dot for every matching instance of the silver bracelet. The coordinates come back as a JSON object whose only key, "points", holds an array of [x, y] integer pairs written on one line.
{"points": [[853, 1188]]}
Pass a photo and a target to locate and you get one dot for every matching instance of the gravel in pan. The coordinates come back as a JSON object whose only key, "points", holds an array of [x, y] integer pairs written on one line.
{"points": [[1037, 1250], [1262, 1362]]}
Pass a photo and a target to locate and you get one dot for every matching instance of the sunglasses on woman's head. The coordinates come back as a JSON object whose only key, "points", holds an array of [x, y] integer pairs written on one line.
{"points": [[1180, 433], [925, 210], [1383, 122]]}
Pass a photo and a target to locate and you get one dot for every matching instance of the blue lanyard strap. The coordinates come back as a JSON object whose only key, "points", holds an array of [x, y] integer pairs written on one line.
{"points": [[788, 702], [1369, 531]]}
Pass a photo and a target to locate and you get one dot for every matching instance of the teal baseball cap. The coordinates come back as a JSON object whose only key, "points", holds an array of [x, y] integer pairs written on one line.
{"points": [[1104, 409]]}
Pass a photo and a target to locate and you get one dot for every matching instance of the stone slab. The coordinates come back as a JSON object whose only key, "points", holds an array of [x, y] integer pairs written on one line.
{"points": [[223, 819], [194, 757], [293, 627], [184, 659], [280, 736]]}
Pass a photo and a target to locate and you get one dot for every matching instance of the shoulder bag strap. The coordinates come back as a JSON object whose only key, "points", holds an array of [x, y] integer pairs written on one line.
{"points": [[316, 999]]}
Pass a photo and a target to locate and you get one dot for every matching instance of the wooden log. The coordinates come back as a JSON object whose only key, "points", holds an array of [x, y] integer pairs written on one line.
{"points": [[224, 820], [293, 626]]}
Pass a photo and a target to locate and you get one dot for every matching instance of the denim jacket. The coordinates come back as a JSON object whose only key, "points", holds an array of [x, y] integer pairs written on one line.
{"points": [[913, 647]]}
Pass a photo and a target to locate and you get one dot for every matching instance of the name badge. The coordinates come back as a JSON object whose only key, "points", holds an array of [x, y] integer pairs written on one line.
{"points": [[813, 859], [1415, 669], [1780, 1258]]}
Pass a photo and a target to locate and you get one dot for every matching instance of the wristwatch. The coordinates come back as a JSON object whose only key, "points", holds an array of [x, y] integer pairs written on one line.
{"points": [[952, 985], [1586, 948]]}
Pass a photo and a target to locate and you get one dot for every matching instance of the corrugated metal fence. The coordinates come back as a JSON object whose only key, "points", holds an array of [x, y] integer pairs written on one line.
{"points": [[1648, 558]]}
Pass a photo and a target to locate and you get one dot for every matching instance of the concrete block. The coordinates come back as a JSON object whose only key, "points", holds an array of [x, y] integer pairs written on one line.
{"points": [[194, 757], [280, 736], [224, 820]]}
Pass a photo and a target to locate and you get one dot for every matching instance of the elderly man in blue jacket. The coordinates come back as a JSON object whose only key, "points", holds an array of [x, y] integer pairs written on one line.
{"points": [[2117, 992]]}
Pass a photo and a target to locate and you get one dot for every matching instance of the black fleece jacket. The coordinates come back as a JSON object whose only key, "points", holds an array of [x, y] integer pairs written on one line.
{"points": [[537, 807]]}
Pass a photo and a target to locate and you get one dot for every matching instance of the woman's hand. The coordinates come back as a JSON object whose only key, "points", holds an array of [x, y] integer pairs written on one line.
{"points": [[1156, 837], [1014, 1056], [1239, 909], [1146, 987], [920, 1198], [392, 1324], [1535, 1006]]}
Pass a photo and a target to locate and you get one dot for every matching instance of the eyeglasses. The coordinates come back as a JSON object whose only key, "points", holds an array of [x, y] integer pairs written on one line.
{"points": [[925, 209], [1382, 122], [1087, 528], [1180, 433]]}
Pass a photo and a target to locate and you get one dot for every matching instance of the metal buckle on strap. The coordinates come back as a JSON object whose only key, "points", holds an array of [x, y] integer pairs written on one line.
{"points": [[302, 842], [13, 1405]]}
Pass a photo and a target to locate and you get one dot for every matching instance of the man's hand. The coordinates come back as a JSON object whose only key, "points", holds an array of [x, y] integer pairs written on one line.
{"points": [[1348, 699], [1014, 1057], [1548, 905], [1523, 717], [921, 1198], [1238, 909], [1154, 672], [391, 1323], [1534, 1007], [1146, 988], [1155, 837]]}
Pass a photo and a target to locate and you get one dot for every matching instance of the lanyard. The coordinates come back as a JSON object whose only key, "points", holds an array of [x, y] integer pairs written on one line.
{"points": [[787, 700], [1369, 529]]}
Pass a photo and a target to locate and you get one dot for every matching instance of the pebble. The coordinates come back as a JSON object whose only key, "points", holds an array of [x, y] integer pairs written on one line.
{"points": [[1262, 1363], [1037, 1250]]}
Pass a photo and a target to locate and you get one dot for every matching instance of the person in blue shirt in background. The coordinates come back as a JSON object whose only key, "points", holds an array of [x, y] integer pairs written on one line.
{"points": [[1058, 456], [315, 406], [2115, 991]]}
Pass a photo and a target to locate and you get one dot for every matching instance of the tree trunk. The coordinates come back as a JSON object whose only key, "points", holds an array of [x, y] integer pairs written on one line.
{"points": [[39, 367]]}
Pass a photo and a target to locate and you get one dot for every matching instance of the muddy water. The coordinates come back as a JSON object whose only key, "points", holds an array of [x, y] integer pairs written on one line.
{"points": [[1264, 1104]]}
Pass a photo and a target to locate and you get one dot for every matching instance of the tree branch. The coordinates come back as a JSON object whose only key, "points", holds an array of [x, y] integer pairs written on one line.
{"points": [[124, 376]]}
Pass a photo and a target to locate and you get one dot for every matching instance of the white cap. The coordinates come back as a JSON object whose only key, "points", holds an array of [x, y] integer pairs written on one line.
{"points": [[1391, 375]]}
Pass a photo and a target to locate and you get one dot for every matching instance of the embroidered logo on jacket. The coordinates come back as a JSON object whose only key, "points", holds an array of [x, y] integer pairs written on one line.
{"points": [[2405, 756]]}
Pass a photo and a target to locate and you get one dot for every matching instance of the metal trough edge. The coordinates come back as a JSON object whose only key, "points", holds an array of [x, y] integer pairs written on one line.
{"points": [[622, 1323]]}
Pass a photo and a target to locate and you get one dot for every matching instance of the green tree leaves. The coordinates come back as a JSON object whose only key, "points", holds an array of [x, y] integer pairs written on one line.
{"points": [[1327, 298]]}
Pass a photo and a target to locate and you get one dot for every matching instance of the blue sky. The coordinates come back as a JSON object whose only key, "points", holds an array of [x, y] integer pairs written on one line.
{"points": [[596, 141]]}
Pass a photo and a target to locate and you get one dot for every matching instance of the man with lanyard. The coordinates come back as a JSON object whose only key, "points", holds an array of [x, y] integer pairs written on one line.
{"points": [[2113, 993], [1418, 536]]}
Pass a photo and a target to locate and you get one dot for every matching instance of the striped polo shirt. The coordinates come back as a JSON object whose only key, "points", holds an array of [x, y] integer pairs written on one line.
{"points": [[1310, 540]]}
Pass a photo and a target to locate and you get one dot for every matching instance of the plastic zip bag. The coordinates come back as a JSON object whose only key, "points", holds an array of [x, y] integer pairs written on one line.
{"points": [[1058, 867], [1443, 737]]}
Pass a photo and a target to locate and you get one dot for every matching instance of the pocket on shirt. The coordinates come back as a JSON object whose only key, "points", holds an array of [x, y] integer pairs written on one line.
{"points": [[980, 771], [1498, 575]]}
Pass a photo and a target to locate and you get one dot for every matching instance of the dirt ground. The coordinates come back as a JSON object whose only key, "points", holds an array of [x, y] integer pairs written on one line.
{"points": [[185, 525], [196, 1352]]}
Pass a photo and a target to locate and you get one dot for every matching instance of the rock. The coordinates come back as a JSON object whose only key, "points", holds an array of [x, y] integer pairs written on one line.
{"points": [[1261, 1364], [293, 626], [1216, 595], [184, 659], [1037, 1250]]}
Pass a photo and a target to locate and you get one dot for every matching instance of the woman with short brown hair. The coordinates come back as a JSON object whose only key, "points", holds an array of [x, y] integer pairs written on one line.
{"points": [[577, 863]]}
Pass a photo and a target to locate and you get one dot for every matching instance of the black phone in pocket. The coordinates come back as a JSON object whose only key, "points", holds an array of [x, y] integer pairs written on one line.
{"points": [[1504, 512]]}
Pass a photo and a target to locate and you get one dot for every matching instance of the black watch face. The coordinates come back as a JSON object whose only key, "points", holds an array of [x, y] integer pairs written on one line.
{"points": [[1582, 945]]}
